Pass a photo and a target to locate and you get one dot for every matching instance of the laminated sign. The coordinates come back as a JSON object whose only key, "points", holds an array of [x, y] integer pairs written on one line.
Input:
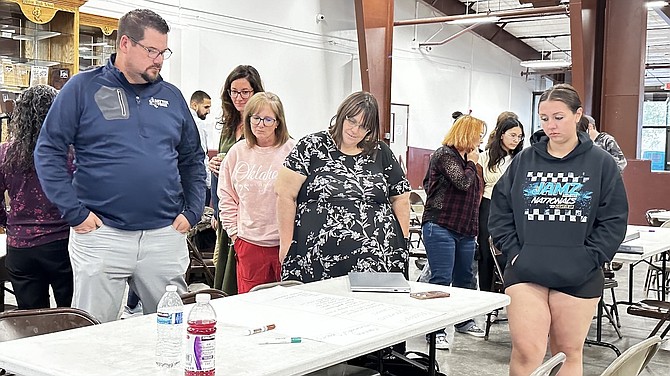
{"points": [[39, 75]]}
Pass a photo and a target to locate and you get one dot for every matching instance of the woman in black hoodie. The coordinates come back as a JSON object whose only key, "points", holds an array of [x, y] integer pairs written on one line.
{"points": [[558, 214]]}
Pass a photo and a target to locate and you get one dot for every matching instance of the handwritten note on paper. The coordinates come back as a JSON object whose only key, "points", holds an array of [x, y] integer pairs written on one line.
{"points": [[349, 319]]}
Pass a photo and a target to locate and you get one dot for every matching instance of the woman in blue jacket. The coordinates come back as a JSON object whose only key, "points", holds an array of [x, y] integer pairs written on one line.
{"points": [[558, 214]]}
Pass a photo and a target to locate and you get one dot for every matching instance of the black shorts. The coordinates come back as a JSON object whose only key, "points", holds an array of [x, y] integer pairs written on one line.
{"points": [[592, 288]]}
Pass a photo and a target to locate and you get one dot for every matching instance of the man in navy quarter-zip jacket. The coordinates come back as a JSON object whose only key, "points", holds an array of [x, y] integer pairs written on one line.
{"points": [[139, 184]]}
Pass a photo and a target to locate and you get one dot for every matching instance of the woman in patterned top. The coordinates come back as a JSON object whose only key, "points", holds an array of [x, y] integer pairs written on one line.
{"points": [[604, 140], [343, 200], [37, 237]]}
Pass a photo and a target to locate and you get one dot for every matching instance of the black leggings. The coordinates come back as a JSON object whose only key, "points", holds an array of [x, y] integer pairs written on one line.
{"points": [[32, 270]]}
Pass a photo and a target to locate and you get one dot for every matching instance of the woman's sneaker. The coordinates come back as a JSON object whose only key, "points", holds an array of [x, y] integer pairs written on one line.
{"points": [[131, 312], [472, 330], [494, 316], [441, 342]]}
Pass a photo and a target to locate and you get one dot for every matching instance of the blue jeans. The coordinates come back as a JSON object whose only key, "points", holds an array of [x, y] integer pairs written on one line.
{"points": [[450, 256], [133, 299]]}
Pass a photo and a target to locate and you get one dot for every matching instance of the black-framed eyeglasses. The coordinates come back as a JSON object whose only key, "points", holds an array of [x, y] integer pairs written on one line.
{"points": [[245, 94], [153, 53], [267, 121]]}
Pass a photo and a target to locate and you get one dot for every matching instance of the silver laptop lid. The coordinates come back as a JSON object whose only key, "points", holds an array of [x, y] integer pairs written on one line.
{"points": [[378, 282]]}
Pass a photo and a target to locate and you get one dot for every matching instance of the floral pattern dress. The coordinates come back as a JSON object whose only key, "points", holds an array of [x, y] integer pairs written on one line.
{"points": [[344, 220]]}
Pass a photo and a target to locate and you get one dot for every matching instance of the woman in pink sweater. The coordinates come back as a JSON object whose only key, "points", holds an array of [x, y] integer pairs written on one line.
{"points": [[247, 202]]}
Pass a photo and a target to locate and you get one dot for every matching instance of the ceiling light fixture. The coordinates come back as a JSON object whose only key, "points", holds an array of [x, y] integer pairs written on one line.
{"points": [[546, 64], [474, 20], [655, 4]]}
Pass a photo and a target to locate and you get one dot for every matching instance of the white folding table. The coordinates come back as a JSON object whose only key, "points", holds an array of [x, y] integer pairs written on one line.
{"points": [[652, 241], [336, 325]]}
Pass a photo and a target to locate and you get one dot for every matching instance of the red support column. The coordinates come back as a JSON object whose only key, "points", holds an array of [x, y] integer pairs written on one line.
{"points": [[587, 39], [374, 23], [623, 81]]}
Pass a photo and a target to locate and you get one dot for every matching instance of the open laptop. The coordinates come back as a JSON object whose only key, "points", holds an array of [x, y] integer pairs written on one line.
{"points": [[378, 282]]}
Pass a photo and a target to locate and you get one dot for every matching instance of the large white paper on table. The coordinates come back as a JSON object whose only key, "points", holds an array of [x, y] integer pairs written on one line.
{"points": [[349, 319]]}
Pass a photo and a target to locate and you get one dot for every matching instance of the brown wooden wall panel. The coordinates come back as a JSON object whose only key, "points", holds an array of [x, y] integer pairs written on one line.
{"points": [[417, 164], [645, 190]]}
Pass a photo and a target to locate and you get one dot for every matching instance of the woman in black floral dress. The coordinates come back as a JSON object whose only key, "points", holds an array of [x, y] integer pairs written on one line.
{"points": [[343, 200]]}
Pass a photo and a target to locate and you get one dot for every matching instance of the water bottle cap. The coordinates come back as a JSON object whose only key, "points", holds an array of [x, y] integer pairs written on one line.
{"points": [[171, 288], [202, 298]]}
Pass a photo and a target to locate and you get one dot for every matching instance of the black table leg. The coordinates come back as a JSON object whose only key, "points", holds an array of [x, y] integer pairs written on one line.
{"points": [[630, 282], [431, 354], [599, 331], [663, 275]]}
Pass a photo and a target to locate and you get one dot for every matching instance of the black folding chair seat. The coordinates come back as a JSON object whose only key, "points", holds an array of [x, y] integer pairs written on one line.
{"points": [[653, 309]]}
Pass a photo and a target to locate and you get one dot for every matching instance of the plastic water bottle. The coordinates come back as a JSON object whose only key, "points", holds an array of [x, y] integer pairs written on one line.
{"points": [[170, 329], [200, 338]]}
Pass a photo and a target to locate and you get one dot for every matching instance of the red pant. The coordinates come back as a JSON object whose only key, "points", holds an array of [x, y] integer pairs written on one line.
{"points": [[255, 265]]}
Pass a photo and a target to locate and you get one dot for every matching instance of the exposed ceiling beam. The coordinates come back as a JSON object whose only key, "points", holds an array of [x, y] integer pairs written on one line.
{"points": [[657, 66], [540, 3], [545, 36], [491, 32]]}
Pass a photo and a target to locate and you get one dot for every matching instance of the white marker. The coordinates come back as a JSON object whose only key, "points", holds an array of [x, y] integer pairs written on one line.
{"points": [[274, 341]]}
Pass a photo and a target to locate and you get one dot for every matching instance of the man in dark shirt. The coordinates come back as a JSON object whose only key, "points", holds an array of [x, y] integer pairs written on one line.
{"points": [[140, 181]]}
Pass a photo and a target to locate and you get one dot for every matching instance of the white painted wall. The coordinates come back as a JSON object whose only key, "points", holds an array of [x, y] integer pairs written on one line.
{"points": [[312, 65]]}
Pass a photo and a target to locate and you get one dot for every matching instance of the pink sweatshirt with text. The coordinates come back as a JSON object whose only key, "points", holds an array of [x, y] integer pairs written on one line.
{"points": [[247, 200]]}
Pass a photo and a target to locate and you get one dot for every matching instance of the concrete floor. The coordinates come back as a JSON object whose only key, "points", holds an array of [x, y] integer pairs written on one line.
{"points": [[475, 356]]}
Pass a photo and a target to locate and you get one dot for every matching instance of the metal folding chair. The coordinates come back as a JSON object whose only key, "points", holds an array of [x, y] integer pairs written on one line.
{"points": [[653, 309], [268, 285], [33, 322], [635, 359], [498, 284], [551, 366], [189, 297]]}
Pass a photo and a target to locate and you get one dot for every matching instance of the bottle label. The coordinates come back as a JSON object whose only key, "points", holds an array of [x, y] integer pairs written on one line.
{"points": [[169, 318], [200, 352]]}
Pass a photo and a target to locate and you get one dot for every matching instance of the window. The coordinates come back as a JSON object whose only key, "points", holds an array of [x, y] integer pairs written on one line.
{"points": [[655, 143]]}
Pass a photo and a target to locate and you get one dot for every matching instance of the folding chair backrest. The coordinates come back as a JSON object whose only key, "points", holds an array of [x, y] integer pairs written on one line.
{"points": [[273, 284], [189, 297], [198, 262], [652, 221], [633, 360], [32, 322], [495, 252], [551, 366], [415, 199]]}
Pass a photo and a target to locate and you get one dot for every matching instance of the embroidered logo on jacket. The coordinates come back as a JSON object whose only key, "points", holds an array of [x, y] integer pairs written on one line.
{"points": [[557, 197], [158, 102]]}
